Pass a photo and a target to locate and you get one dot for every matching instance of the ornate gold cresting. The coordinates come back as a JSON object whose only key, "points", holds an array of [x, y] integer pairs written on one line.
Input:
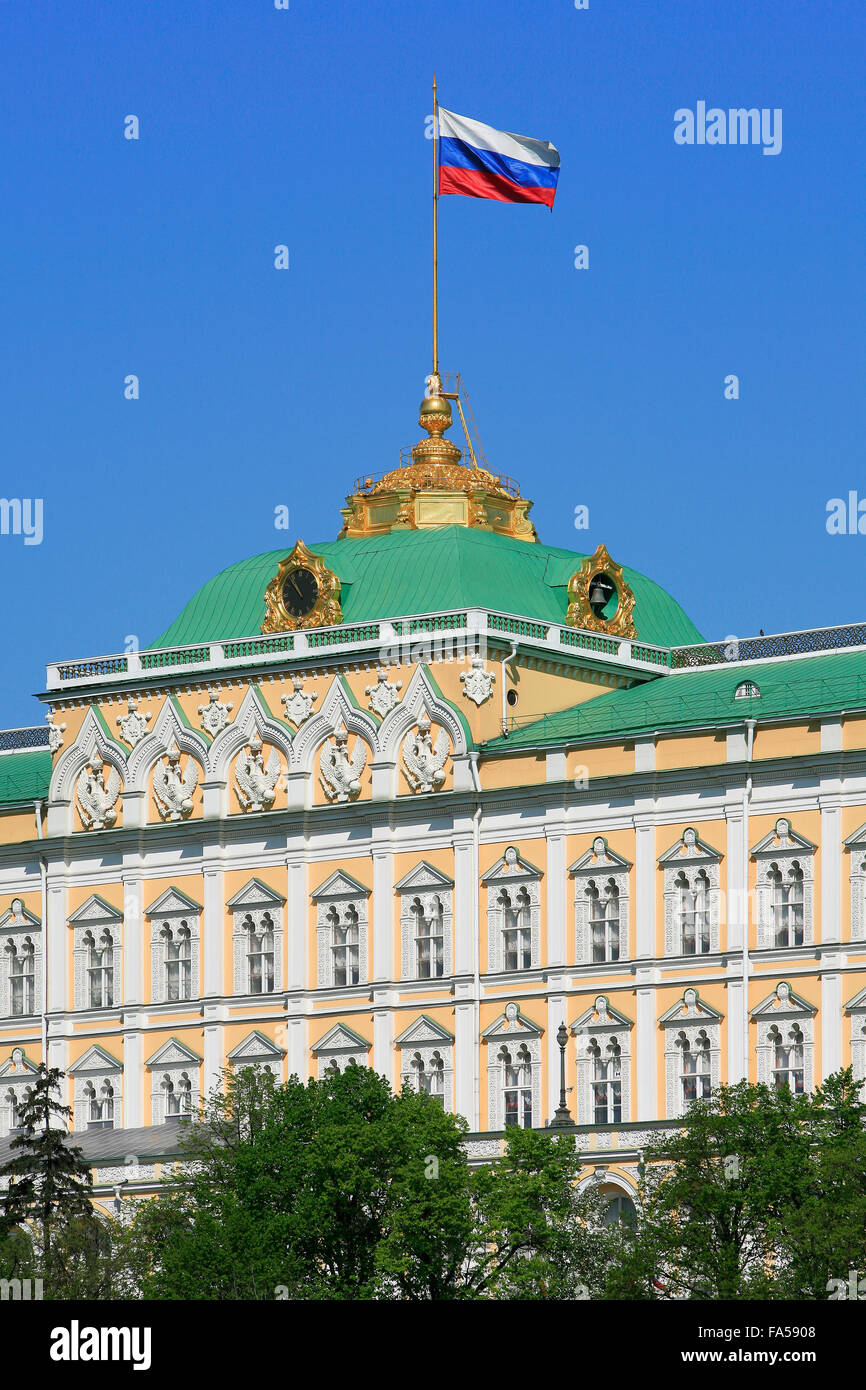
{"points": [[326, 611], [436, 489], [580, 612]]}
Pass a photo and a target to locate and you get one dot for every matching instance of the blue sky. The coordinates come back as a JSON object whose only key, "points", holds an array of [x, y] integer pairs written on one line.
{"points": [[262, 388]]}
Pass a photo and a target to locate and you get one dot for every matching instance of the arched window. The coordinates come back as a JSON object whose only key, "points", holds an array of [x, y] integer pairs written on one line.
{"points": [[429, 1076], [619, 1208], [788, 1058], [693, 914], [516, 931], [517, 1087], [13, 1104], [344, 946], [178, 961], [100, 1105], [606, 1082], [260, 954], [429, 938], [178, 1096], [695, 1067], [22, 977], [787, 905], [100, 970], [604, 920]]}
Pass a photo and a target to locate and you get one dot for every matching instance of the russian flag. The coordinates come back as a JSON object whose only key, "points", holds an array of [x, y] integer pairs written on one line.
{"points": [[480, 162]]}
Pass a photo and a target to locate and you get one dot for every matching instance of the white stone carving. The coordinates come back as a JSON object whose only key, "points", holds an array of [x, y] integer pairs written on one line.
{"points": [[96, 928], [255, 782], [258, 1052], [214, 715], [423, 759], [383, 695], [600, 871], [857, 1009], [339, 1048], [599, 1031], [172, 913], [98, 1092], [174, 1070], [342, 908], [477, 682], [691, 1026], [691, 876], [20, 941], [425, 894], [783, 853], [512, 1037], [341, 771], [97, 792], [173, 788], [786, 1020], [17, 1075], [426, 1058], [55, 733], [299, 705], [132, 725], [256, 910], [513, 900]]}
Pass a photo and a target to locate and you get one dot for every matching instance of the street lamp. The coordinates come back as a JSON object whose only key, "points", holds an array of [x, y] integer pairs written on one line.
{"points": [[562, 1118]]}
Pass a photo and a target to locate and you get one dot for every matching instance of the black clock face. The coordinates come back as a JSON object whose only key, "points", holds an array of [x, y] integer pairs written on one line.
{"points": [[300, 591]]}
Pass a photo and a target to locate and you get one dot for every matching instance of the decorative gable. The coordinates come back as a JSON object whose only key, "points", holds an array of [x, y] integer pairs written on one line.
{"points": [[783, 838], [339, 885], [95, 1061], [95, 911], [422, 879], [255, 894], [601, 1015], [424, 1030], [511, 868], [18, 917], [599, 858], [18, 1066], [689, 849], [783, 1003], [173, 1053], [340, 1046], [173, 903], [512, 1024], [258, 1052]]}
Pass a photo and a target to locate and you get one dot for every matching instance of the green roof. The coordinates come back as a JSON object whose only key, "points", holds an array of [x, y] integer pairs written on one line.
{"points": [[429, 571], [24, 776], [794, 686]]}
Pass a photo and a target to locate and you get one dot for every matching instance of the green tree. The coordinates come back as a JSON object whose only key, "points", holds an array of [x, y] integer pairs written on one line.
{"points": [[48, 1198]]}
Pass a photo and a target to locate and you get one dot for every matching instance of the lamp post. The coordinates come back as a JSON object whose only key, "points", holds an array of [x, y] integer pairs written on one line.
{"points": [[562, 1117]]}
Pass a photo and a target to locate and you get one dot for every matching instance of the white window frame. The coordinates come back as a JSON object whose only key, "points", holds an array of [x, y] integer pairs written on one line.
{"points": [[513, 876], [425, 1044], [17, 1076], [249, 907], [173, 911], [424, 884], [689, 1021], [17, 928], [340, 895], [509, 1033], [857, 1009], [173, 1060], [778, 1013], [690, 863], [778, 852], [598, 1027], [93, 1071], [598, 868], [91, 921]]}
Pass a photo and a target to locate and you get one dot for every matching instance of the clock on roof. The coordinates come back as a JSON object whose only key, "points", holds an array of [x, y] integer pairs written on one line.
{"points": [[303, 593]]}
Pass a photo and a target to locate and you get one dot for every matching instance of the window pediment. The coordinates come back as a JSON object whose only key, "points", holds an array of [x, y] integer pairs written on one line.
{"points": [[424, 878], [783, 1003], [689, 849], [173, 903], [512, 1024], [95, 911], [690, 1009], [338, 1039], [255, 1048], [255, 894], [173, 1053], [95, 1060], [339, 885], [783, 840], [18, 1066], [599, 859], [511, 868], [424, 1030], [601, 1017], [18, 918]]}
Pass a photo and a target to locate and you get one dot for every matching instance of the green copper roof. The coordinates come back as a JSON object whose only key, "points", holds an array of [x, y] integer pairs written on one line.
{"points": [[795, 686], [24, 776], [405, 572]]}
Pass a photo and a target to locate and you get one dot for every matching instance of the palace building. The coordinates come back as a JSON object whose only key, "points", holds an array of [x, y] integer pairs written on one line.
{"points": [[416, 797]]}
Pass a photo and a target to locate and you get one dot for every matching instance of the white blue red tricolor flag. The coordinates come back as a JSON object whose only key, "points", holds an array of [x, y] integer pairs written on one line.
{"points": [[480, 162]]}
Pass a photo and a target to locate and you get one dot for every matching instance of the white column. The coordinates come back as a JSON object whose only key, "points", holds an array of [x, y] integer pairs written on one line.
{"points": [[297, 1049], [734, 1025], [213, 930], [383, 1033], [645, 887], [213, 1051], [465, 1047], [57, 949], [646, 1047], [382, 915], [133, 1074], [557, 930], [831, 868], [831, 1015], [464, 915], [133, 939], [736, 898], [297, 923]]}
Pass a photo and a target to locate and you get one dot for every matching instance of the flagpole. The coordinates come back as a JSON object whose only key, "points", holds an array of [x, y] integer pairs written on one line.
{"points": [[435, 231]]}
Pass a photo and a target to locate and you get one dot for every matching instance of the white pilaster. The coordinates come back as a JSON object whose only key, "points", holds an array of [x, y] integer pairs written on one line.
{"points": [[646, 1048], [213, 930], [213, 1052], [465, 889], [831, 867], [133, 1074], [645, 888], [735, 913], [56, 954], [831, 1015], [297, 924], [556, 895], [734, 1025], [465, 1046], [383, 1034], [133, 941], [382, 915]]}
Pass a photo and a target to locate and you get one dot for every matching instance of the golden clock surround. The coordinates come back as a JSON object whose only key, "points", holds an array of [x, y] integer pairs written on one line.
{"points": [[580, 613], [326, 611]]}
